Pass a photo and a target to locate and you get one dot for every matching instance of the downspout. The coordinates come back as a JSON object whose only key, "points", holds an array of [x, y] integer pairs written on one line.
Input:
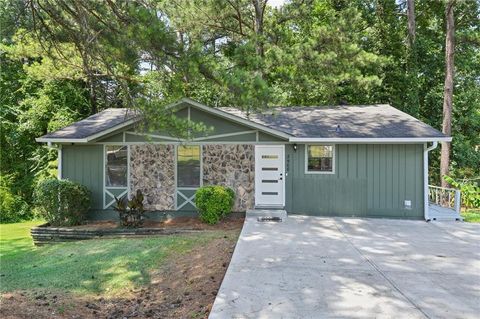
{"points": [[426, 149], [59, 158]]}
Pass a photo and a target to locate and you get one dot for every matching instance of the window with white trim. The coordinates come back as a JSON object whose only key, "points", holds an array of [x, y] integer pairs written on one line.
{"points": [[320, 159], [116, 164], [188, 166]]}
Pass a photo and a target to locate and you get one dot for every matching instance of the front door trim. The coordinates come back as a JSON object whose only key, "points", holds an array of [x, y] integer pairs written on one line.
{"points": [[258, 179]]}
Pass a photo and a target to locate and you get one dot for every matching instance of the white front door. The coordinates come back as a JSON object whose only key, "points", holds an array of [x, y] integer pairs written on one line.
{"points": [[269, 175]]}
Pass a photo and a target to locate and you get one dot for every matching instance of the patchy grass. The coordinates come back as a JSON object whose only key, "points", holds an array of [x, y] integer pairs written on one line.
{"points": [[106, 266], [471, 215]]}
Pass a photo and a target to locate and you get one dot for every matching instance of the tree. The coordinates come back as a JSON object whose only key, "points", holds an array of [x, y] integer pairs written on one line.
{"points": [[412, 69], [448, 89], [62, 60]]}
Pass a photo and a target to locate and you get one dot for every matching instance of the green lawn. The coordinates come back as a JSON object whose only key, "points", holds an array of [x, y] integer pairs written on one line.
{"points": [[471, 215], [107, 266]]}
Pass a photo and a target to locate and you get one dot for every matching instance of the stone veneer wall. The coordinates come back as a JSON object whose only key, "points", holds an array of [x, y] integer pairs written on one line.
{"points": [[233, 166], [152, 170]]}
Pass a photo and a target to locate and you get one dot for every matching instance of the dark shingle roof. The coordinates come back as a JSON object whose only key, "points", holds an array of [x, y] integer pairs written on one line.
{"points": [[357, 121], [94, 124]]}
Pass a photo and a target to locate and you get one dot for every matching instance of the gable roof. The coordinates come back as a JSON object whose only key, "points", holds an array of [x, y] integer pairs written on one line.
{"points": [[378, 121], [360, 123], [93, 127]]}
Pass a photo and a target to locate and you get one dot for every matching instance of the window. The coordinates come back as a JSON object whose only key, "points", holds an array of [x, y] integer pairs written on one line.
{"points": [[116, 166], [188, 166], [320, 158]]}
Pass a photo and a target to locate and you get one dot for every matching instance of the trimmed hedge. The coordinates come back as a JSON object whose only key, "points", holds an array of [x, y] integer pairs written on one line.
{"points": [[62, 202], [214, 202]]}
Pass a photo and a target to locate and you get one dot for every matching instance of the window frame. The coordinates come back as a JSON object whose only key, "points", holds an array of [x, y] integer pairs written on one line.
{"points": [[105, 168], [334, 155], [200, 146]]}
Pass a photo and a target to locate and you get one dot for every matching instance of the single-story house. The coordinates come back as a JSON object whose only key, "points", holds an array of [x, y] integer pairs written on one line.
{"points": [[362, 160]]}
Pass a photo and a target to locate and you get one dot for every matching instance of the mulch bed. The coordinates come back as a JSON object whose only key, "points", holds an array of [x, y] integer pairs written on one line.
{"points": [[175, 223], [45, 234], [185, 288]]}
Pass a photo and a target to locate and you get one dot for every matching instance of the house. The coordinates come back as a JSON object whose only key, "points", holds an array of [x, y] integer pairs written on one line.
{"points": [[365, 160]]}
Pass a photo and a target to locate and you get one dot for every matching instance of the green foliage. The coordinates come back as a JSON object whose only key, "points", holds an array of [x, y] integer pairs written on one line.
{"points": [[470, 192], [131, 212], [12, 207], [62, 202], [74, 59], [214, 202]]}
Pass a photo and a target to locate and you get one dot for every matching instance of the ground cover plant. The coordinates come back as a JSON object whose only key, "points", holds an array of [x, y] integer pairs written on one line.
{"points": [[471, 215]]}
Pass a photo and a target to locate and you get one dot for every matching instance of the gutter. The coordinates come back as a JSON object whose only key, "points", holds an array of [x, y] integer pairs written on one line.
{"points": [[426, 150]]}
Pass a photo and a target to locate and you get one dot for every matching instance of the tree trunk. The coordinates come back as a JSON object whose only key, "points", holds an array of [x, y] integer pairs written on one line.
{"points": [[448, 90], [411, 22], [259, 6], [412, 100]]}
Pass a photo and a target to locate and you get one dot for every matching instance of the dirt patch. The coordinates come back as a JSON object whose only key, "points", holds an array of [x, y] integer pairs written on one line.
{"points": [[183, 288], [175, 223]]}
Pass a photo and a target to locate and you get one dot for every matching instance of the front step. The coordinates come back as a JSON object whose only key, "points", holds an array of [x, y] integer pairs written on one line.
{"points": [[267, 214]]}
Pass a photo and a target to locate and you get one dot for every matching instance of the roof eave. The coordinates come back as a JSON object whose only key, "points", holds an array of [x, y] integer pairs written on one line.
{"points": [[90, 138], [369, 139]]}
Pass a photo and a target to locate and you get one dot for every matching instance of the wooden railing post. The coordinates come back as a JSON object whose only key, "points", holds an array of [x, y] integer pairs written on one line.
{"points": [[457, 200]]}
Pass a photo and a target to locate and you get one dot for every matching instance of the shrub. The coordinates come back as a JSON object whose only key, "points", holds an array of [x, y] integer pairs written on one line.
{"points": [[470, 192], [214, 202], [130, 211], [62, 202], [13, 208]]}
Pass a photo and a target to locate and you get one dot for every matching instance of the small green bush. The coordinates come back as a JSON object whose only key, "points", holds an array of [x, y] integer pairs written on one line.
{"points": [[62, 202], [214, 202], [470, 192]]}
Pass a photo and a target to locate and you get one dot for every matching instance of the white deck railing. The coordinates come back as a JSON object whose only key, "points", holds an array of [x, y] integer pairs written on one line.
{"points": [[444, 197]]}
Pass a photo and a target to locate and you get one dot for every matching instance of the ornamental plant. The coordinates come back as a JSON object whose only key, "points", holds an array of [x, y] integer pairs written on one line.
{"points": [[131, 212], [62, 202], [214, 202]]}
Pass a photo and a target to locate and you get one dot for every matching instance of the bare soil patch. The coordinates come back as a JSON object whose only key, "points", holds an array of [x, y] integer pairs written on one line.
{"points": [[184, 287], [175, 223]]}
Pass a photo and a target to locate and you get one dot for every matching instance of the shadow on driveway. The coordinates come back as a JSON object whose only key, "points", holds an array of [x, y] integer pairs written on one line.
{"points": [[312, 267]]}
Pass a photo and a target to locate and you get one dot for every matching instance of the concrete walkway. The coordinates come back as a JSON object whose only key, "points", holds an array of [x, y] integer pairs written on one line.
{"points": [[310, 267]]}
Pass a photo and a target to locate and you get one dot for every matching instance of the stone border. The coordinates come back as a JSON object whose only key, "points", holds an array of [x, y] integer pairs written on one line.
{"points": [[44, 234]]}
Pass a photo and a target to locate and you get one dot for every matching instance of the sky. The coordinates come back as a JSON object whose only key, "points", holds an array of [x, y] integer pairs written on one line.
{"points": [[276, 3]]}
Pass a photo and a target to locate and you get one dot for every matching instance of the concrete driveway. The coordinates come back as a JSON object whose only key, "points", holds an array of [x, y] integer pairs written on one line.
{"points": [[310, 267]]}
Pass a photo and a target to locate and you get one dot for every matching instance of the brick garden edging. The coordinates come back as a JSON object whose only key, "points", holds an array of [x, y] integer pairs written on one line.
{"points": [[45, 234]]}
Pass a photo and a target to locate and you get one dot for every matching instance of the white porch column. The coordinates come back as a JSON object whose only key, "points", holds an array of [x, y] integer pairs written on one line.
{"points": [[59, 160], [426, 149]]}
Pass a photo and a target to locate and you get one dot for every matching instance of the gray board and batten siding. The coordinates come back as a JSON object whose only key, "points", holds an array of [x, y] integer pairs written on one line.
{"points": [[370, 178]]}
